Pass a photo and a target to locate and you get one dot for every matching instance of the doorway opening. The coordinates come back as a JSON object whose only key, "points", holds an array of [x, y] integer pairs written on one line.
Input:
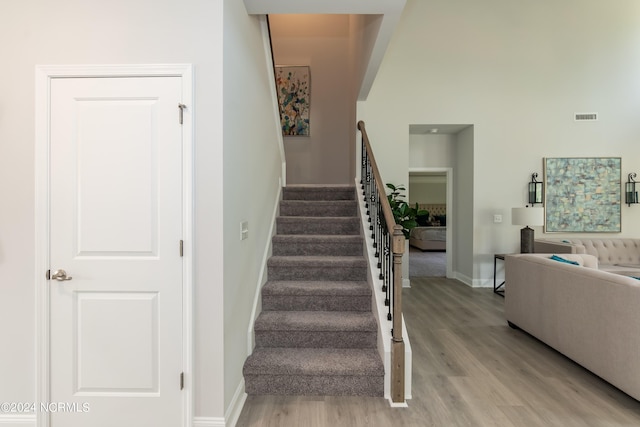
{"points": [[440, 160]]}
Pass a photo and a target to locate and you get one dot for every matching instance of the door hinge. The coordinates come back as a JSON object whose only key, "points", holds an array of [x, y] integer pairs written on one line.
{"points": [[181, 248], [48, 275], [181, 107], [181, 380]]}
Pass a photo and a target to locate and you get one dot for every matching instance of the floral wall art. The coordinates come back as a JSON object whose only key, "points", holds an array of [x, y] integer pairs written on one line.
{"points": [[293, 84], [582, 194]]}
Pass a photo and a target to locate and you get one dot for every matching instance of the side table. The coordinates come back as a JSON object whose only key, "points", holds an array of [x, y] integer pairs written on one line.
{"points": [[497, 288]]}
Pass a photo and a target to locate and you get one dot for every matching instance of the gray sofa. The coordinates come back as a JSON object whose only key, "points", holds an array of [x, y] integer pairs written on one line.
{"points": [[589, 315], [616, 255]]}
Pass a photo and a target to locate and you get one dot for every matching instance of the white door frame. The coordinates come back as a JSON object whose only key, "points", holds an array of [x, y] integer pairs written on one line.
{"points": [[43, 77], [450, 242]]}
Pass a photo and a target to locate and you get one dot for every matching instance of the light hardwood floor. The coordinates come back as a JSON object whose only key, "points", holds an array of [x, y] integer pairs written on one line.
{"points": [[469, 369]]}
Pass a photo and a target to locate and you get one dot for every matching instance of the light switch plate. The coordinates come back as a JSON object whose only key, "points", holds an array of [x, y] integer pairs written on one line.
{"points": [[244, 230]]}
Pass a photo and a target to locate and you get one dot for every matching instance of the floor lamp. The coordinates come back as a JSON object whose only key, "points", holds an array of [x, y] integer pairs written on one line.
{"points": [[527, 216]]}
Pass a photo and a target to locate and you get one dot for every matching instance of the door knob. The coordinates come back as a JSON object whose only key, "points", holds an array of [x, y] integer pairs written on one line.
{"points": [[60, 275]]}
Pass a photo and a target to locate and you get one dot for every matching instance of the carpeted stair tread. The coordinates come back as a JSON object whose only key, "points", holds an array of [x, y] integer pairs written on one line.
{"points": [[319, 208], [319, 192], [317, 261], [314, 361], [327, 225], [316, 288], [316, 321], [316, 295], [328, 268], [317, 244], [317, 238]]}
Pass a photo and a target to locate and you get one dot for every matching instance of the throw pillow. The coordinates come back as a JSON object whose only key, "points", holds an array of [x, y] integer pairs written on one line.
{"points": [[422, 220], [560, 259]]}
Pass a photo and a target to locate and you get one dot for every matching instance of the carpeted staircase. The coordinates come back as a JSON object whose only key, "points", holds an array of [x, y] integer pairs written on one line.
{"points": [[316, 334]]}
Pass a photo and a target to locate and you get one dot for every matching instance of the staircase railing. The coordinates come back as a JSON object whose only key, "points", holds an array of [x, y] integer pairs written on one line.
{"points": [[389, 244]]}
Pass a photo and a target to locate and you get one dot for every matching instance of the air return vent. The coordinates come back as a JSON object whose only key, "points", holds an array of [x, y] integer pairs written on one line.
{"points": [[585, 117]]}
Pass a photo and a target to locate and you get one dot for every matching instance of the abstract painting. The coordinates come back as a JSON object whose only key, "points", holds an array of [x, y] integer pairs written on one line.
{"points": [[582, 195], [293, 84]]}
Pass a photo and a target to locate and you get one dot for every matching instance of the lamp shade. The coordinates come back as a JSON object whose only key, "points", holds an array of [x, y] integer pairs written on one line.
{"points": [[527, 216]]}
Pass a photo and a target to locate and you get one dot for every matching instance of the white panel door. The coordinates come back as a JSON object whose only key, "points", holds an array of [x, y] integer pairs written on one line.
{"points": [[116, 226]]}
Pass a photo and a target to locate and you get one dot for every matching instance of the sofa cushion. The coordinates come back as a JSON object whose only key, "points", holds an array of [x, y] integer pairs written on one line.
{"points": [[612, 251], [629, 265]]}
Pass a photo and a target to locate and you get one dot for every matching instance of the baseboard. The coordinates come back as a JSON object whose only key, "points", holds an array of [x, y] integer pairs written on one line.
{"points": [[17, 420], [473, 283], [463, 278], [406, 283], [208, 422], [482, 283], [235, 407]]}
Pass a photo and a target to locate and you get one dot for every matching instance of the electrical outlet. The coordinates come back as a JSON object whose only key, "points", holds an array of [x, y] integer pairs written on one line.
{"points": [[244, 230], [497, 218]]}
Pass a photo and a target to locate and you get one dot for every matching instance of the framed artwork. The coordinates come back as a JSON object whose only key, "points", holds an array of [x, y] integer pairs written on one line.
{"points": [[582, 194], [293, 84]]}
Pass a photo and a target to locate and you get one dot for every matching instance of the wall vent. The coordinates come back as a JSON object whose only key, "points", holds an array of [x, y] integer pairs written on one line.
{"points": [[585, 117]]}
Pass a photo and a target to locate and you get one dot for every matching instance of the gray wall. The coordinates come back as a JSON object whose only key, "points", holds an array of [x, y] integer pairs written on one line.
{"points": [[427, 191], [518, 73], [236, 170], [322, 42]]}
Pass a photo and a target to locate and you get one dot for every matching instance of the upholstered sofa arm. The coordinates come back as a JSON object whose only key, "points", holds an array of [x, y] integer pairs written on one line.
{"points": [[583, 260]]}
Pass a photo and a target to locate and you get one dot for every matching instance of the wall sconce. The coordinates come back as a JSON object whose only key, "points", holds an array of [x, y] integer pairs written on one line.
{"points": [[535, 190], [630, 193]]}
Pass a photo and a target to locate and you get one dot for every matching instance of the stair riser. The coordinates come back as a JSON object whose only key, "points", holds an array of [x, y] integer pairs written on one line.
{"points": [[316, 273], [315, 385], [318, 194], [316, 303], [321, 211], [317, 249], [316, 339], [295, 225]]}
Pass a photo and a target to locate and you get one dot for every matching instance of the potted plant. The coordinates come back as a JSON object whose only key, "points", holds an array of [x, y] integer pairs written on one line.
{"points": [[404, 215]]}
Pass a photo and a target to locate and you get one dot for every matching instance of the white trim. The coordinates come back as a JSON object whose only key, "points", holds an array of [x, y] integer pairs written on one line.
{"points": [[208, 422], [188, 215], [43, 76], [465, 279], [235, 407], [450, 214], [265, 257], [13, 420], [42, 102], [274, 95]]}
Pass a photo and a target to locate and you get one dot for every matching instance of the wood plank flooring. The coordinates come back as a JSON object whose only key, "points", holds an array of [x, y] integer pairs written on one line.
{"points": [[469, 369]]}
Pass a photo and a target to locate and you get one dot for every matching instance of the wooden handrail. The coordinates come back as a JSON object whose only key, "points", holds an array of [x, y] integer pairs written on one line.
{"points": [[386, 207], [396, 248]]}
